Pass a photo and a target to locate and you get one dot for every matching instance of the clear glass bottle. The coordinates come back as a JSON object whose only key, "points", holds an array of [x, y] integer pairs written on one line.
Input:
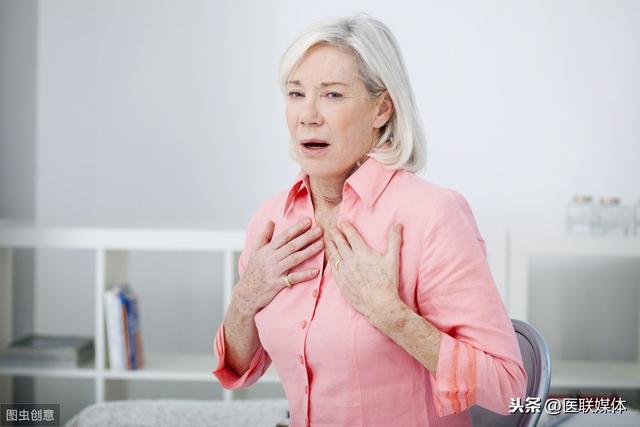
{"points": [[581, 215], [615, 219]]}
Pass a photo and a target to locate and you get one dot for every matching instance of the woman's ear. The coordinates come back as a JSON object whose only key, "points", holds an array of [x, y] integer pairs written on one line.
{"points": [[384, 110]]}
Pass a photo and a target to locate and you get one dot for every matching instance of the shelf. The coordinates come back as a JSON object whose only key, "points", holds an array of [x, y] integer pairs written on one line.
{"points": [[120, 238], [85, 371], [509, 260], [158, 367], [589, 374], [111, 258], [526, 244], [178, 367]]}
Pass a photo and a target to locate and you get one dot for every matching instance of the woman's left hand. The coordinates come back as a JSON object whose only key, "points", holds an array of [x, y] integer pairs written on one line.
{"points": [[366, 278]]}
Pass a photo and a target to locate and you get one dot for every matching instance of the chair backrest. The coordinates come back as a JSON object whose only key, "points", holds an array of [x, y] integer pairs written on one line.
{"points": [[537, 363]]}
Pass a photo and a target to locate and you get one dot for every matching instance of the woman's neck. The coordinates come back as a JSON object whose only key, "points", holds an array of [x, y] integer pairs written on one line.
{"points": [[326, 193]]}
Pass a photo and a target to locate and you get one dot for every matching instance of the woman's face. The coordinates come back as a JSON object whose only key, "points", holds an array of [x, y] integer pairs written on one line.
{"points": [[332, 120]]}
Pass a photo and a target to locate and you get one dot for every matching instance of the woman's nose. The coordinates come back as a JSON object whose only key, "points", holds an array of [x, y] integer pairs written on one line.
{"points": [[310, 114]]}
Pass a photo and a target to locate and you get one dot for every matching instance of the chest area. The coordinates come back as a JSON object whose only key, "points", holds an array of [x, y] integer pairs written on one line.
{"points": [[298, 303], [327, 220]]}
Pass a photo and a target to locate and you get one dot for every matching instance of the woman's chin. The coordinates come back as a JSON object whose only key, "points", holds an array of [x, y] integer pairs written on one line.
{"points": [[322, 169]]}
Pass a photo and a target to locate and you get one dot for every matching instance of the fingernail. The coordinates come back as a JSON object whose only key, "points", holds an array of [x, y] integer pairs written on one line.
{"points": [[397, 227]]}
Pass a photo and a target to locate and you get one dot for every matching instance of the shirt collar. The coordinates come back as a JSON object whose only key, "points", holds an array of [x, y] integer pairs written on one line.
{"points": [[368, 182]]}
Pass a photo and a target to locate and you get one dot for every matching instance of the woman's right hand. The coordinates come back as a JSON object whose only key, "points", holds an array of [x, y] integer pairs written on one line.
{"points": [[271, 259]]}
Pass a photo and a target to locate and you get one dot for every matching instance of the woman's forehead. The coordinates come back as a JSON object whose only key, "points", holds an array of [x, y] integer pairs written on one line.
{"points": [[325, 64]]}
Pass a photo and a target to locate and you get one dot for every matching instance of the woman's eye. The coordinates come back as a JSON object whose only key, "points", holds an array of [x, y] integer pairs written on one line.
{"points": [[295, 94], [334, 95]]}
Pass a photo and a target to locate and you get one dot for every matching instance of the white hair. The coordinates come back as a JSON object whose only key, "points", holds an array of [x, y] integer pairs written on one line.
{"points": [[380, 67]]}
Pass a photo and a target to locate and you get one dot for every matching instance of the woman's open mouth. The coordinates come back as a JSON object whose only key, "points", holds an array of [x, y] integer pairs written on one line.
{"points": [[314, 147]]}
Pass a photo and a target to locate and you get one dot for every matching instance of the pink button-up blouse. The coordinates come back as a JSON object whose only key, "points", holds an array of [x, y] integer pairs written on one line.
{"points": [[339, 370]]}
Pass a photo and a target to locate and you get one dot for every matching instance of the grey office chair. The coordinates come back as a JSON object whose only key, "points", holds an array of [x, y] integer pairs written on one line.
{"points": [[537, 363]]}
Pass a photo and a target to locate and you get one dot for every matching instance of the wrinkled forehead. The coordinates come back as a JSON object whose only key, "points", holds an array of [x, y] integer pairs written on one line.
{"points": [[325, 63]]}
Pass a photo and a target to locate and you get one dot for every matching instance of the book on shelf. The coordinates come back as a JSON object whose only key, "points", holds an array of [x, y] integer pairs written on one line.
{"points": [[48, 351], [122, 321]]}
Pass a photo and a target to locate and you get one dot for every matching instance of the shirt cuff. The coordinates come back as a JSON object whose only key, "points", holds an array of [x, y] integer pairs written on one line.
{"points": [[454, 383], [227, 377]]}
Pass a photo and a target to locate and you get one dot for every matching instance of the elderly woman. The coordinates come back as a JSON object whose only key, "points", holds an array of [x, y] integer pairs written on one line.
{"points": [[367, 286]]}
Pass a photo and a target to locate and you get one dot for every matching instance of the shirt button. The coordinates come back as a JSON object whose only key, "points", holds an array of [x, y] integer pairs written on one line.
{"points": [[303, 324], [301, 359], [315, 293], [306, 389]]}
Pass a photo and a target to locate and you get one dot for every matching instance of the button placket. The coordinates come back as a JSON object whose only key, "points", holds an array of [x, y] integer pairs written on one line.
{"points": [[305, 324]]}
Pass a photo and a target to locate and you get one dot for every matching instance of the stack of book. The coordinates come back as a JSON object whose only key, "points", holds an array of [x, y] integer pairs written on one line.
{"points": [[48, 351], [124, 338]]}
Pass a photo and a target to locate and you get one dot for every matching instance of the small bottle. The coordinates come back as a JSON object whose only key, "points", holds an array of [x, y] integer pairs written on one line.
{"points": [[615, 219], [581, 215]]}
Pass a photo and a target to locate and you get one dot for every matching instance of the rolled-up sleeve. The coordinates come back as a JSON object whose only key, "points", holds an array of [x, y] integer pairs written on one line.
{"points": [[260, 361], [229, 379], [479, 360]]}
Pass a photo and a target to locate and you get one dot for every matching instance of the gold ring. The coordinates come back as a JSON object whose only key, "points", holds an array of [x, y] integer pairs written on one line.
{"points": [[286, 280], [338, 263]]}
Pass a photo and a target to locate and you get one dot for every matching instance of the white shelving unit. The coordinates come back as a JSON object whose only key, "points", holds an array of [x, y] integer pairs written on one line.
{"points": [[508, 256], [110, 248], [571, 373]]}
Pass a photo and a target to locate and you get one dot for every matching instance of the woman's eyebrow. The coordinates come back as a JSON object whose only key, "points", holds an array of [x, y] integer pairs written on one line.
{"points": [[323, 84]]}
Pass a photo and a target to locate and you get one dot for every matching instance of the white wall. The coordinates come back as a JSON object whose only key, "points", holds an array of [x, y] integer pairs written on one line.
{"points": [[18, 56], [167, 114], [18, 34], [160, 114]]}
